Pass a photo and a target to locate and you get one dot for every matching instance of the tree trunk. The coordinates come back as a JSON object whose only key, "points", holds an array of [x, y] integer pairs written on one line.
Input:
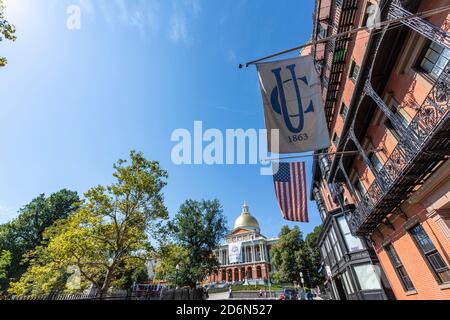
{"points": [[107, 282]]}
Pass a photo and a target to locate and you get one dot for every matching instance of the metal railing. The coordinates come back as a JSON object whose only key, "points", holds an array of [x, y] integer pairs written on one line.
{"points": [[429, 118]]}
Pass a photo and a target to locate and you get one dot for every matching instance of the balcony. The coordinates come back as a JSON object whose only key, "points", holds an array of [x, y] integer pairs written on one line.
{"points": [[418, 154]]}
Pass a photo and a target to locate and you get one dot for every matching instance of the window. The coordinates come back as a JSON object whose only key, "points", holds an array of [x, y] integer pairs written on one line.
{"points": [[399, 114], [434, 60], [366, 16], [372, 11], [368, 276], [336, 139], [398, 266], [432, 256], [321, 31], [376, 162], [319, 67], [344, 111], [347, 283], [323, 213], [335, 243], [353, 243], [339, 55], [354, 71], [360, 190], [329, 252], [325, 254]]}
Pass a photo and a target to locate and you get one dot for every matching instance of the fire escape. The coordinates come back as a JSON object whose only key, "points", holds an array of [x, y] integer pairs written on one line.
{"points": [[423, 145], [341, 18]]}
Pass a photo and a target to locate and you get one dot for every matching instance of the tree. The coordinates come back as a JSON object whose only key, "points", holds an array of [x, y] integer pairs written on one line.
{"points": [[170, 256], [5, 262], [107, 237], [7, 31], [24, 233], [313, 258], [288, 255], [197, 230], [292, 255]]}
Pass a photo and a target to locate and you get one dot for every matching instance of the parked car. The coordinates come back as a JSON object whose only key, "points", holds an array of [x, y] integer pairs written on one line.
{"points": [[288, 294]]}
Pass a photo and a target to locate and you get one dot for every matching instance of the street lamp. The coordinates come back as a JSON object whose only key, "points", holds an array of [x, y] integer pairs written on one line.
{"points": [[302, 280], [177, 268]]}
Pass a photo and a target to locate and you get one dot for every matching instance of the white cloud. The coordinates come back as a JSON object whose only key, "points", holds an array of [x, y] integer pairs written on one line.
{"points": [[193, 7], [178, 27], [183, 15], [140, 14], [87, 6], [148, 16]]}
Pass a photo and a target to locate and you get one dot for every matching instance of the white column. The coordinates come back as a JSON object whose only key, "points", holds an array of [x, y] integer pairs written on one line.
{"points": [[261, 250], [245, 254]]}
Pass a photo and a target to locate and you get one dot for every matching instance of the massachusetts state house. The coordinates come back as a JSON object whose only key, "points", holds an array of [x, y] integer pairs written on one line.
{"points": [[249, 261]]}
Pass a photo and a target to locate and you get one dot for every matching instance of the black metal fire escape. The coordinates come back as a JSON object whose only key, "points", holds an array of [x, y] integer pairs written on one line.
{"points": [[343, 17], [423, 145]]}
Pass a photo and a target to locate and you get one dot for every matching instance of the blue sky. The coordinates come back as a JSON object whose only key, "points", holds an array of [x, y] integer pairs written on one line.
{"points": [[72, 102]]}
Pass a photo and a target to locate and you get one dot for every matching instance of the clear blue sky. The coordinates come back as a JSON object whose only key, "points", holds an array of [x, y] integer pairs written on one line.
{"points": [[73, 102]]}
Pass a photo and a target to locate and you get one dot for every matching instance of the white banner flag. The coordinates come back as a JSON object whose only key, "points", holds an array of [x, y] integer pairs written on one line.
{"points": [[234, 252], [293, 104]]}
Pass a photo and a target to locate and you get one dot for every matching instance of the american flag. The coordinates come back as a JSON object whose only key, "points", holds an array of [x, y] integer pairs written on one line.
{"points": [[290, 188]]}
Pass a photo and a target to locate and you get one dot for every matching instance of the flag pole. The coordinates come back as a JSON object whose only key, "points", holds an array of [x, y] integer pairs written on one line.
{"points": [[320, 154], [345, 33]]}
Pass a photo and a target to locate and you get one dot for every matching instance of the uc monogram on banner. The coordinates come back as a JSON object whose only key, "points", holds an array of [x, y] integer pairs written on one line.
{"points": [[293, 104]]}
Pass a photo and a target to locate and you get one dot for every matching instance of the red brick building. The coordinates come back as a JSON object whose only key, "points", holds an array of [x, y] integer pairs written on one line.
{"points": [[387, 97], [253, 265]]}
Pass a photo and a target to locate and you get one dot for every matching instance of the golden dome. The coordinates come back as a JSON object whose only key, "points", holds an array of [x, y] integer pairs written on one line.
{"points": [[246, 220]]}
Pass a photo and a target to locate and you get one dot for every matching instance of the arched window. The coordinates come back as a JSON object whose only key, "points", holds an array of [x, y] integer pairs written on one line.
{"points": [[249, 273], [258, 272], [224, 275], [236, 274], [243, 275]]}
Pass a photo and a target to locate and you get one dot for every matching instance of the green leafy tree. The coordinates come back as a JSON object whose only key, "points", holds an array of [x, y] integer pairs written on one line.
{"points": [[292, 255], [107, 237], [169, 257], [7, 31], [5, 262], [197, 229], [288, 255], [24, 233], [313, 258]]}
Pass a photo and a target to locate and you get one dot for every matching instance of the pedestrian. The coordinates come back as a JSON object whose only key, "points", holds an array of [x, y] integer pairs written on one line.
{"points": [[230, 293], [260, 293]]}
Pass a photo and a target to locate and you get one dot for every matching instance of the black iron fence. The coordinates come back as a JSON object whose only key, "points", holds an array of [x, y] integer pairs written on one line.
{"points": [[164, 294]]}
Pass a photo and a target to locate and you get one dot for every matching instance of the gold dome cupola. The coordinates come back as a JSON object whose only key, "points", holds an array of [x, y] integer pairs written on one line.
{"points": [[246, 220]]}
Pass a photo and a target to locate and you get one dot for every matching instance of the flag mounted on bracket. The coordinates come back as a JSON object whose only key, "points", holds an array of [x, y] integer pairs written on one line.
{"points": [[293, 104], [290, 189]]}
